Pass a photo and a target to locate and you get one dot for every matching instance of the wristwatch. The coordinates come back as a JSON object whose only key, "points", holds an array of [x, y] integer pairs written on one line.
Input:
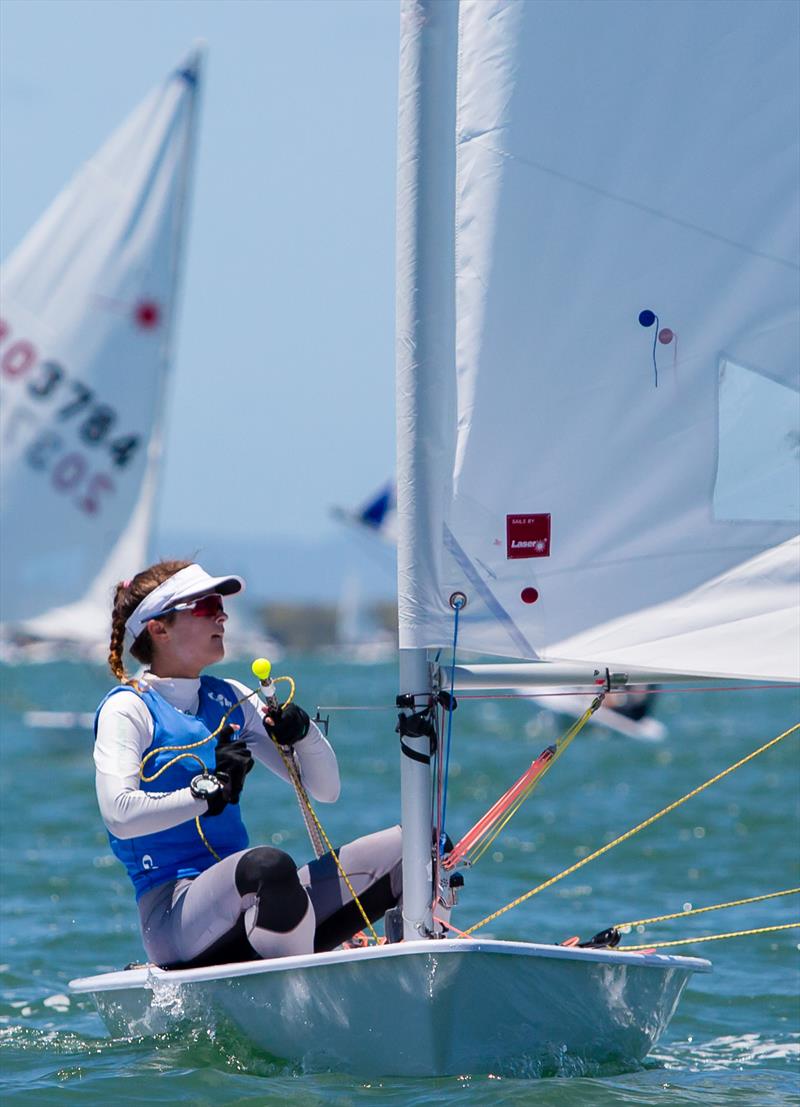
{"points": [[205, 785]]}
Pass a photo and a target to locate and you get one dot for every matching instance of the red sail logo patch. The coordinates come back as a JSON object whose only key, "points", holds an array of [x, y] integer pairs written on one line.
{"points": [[527, 536]]}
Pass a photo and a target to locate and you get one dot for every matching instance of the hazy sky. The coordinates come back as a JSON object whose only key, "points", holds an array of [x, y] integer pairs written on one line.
{"points": [[282, 394]]}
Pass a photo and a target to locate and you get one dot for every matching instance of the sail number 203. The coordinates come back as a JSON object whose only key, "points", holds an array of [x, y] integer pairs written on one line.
{"points": [[67, 404]]}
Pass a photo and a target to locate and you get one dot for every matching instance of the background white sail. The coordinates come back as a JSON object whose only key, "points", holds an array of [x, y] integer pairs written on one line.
{"points": [[88, 300], [601, 333]]}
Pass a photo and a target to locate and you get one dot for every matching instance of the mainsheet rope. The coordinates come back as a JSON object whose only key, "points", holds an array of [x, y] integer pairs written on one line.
{"points": [[630, 833], [185, 753], [295, 778]]}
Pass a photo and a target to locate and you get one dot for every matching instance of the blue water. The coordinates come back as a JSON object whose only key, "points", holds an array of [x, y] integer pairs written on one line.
{"points": [[67, 910]]}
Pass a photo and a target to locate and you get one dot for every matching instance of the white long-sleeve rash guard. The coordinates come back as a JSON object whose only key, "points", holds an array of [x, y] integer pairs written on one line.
{"points": [[125, 731]]}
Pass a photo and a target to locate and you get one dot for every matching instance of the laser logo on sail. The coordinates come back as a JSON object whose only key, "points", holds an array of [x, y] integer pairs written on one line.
{"points": [[527, 536]]}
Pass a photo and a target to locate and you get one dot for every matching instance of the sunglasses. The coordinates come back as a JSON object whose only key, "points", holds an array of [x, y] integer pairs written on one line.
{"points": [[203, 608]]}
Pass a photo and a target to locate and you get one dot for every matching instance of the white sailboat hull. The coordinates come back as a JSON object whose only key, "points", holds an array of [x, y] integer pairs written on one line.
{"points": [[418, 1008], [646, 729]]}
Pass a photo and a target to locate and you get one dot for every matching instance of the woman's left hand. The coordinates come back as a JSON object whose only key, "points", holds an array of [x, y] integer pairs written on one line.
{"points": [[287, 725]]}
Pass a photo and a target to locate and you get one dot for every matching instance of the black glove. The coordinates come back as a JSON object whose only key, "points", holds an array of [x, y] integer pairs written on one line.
{"points": [[288, 725], [234, 762]]}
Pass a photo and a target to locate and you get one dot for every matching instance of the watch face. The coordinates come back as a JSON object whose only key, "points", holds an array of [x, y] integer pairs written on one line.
{"points": [[205, 786]]}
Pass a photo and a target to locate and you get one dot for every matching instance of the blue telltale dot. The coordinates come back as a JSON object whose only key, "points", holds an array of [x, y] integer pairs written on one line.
{"points": [[647, 317]]}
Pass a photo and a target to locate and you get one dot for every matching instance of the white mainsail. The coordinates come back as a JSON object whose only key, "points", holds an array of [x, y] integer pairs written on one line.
{"points": [[88, 303], [599, 425]]}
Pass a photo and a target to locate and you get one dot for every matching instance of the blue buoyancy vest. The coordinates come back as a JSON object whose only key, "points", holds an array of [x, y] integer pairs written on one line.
{"points": [[178, 852]]}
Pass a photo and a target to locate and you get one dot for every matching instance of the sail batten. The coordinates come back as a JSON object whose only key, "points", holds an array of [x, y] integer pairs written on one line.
{"points": [[618, 438]]}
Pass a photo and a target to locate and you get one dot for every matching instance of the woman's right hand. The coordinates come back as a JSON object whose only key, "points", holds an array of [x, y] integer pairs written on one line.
{"points": [[234, 762]]}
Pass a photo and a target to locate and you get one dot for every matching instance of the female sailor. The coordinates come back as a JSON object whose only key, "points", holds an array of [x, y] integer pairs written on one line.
{"points": [[170, 769]]}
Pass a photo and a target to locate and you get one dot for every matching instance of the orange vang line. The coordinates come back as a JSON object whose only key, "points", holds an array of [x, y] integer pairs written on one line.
{"points": [[499, 808]]}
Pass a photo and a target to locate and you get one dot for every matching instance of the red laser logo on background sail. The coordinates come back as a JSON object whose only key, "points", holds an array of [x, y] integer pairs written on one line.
{"points": [[527, 536]]}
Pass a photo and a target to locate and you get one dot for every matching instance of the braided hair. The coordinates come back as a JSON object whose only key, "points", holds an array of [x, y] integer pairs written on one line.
{"points": [[127, 597]]}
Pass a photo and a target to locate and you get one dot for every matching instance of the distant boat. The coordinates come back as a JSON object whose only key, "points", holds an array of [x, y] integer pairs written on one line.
{"points": [[624, 713], [377, 516], [87, 337], [359, 638]]}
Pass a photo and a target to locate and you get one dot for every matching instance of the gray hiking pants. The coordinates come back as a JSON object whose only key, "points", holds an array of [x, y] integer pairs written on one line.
{"points": [[256, 903]]}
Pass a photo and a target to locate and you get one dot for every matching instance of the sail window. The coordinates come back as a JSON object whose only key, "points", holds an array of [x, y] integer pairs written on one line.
{"points": [[758, 465]]}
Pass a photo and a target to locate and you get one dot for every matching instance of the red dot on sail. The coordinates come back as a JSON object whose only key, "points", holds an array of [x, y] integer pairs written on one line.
{"points": [[529, 595], [665, 336], [147, 314]]}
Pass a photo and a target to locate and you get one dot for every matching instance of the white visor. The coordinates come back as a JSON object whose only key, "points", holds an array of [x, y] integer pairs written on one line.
{"points": [[187, 584]]}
